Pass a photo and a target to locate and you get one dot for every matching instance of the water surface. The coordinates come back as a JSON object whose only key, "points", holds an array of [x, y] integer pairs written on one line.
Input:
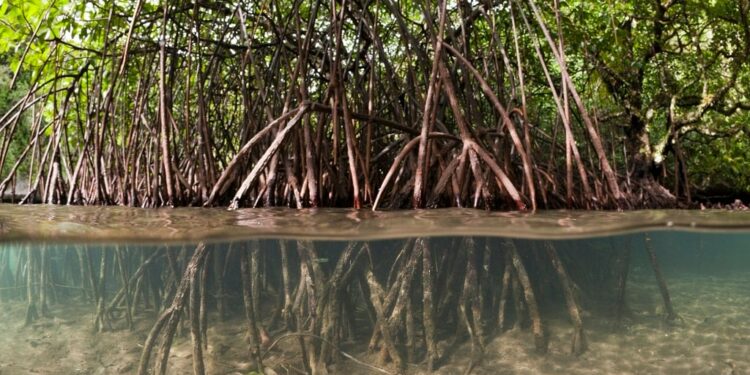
{"points": [[71, 223]]}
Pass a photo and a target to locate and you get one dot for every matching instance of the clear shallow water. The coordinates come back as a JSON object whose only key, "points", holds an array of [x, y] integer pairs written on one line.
{"points": [[317, 286]]}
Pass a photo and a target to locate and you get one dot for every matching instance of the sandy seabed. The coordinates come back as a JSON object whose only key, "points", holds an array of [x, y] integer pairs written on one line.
{"points": [[712, 336]]}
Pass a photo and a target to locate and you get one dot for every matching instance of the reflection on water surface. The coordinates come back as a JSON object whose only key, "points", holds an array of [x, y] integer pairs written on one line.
{"points": [[58, 223]]}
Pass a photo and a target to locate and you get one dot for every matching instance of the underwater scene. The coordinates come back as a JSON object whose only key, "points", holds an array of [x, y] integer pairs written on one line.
{"points": [[570, 297]]}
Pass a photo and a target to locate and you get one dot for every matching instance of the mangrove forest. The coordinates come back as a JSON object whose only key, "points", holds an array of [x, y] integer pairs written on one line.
{"points": [[374, 187], [511, 104]]}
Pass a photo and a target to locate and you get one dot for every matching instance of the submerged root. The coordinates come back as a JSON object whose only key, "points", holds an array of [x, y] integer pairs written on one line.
{"points": [[671, 315], [578, 343], [166, 326], [541, 341], [419, 301]]}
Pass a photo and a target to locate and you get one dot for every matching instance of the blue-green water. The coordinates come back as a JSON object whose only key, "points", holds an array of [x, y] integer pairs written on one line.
{"points": [[576, 304]]}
